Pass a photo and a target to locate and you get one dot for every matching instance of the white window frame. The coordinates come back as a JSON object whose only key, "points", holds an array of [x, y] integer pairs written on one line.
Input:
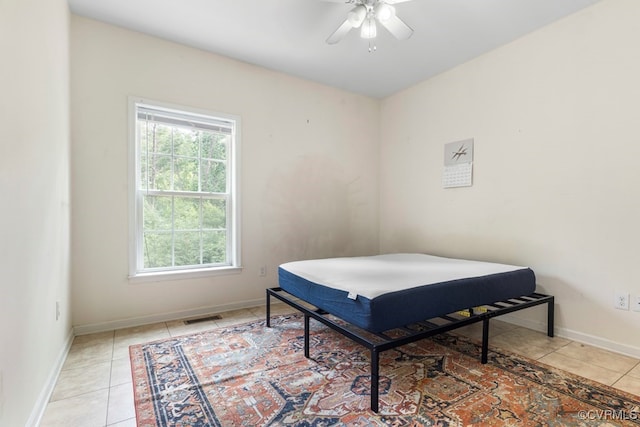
{"points": [[137, 272]]}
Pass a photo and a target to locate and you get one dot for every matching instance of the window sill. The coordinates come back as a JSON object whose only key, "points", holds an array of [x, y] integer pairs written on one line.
{"points": [[159, 276]]}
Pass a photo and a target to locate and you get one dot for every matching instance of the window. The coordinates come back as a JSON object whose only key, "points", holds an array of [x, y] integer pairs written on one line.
{"points": [[184, 194]]}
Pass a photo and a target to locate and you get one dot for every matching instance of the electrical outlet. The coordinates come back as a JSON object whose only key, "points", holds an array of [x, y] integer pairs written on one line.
{"points": [[636, 303], [263, 271], [621, 300]]}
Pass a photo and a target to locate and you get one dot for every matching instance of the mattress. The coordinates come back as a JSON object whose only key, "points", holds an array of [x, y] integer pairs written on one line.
{"points": [[382, 292]]}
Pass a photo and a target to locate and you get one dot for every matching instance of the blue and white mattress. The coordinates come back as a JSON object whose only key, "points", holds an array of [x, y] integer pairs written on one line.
{"points": [[382, 292]]}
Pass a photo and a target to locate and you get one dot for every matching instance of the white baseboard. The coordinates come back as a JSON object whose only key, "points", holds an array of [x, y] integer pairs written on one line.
{"points": [[580, 337], [164, 317], [43, 399]]}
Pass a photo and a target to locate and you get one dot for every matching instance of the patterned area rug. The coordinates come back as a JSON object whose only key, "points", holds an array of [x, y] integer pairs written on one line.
{"points": [[250, 375]]}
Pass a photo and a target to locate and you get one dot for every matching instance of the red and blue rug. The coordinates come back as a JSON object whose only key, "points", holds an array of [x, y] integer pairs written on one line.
{"points": [[250, 375]]}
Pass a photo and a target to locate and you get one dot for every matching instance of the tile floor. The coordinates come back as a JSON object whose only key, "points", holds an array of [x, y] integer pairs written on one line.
{"points": [[95, 390]]}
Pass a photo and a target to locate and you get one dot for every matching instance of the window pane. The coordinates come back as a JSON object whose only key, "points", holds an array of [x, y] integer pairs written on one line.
{"points": [[142, 178], [214, 247], [185, 174], [214, 214], [214, 145], [157, 249], [160, 138], [187, 248], [157, 213], [143, 132], [185, 142], [214, 176], [187, 213], [158, 173]]}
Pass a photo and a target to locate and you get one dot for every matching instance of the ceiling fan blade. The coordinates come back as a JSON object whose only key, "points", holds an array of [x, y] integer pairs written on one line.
{"points": [[340, 32], [398, 28]]}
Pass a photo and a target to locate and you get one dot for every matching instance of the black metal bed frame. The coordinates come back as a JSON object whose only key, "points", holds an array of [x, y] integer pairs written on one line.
{"points": [[379, 342]]}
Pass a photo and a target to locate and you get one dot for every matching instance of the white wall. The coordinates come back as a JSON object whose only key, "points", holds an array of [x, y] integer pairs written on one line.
{"points": [[34, 184], [308, 174], [554, 116]]}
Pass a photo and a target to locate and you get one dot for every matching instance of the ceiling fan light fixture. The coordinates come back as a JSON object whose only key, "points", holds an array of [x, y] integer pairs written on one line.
{"points": [[366, 15], [369, 30], [357, 15], [384, 12]]}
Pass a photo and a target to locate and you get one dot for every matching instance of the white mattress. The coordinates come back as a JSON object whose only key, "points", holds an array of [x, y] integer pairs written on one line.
{"points": [[373, 276]]}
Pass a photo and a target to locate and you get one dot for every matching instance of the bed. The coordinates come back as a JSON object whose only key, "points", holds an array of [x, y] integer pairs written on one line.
{"points": [[389, 300]]}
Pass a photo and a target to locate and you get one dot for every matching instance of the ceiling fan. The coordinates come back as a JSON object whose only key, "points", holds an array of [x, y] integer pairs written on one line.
{"points": [[366, 14]]}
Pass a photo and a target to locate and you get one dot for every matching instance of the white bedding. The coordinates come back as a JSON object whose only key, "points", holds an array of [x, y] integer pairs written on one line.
{"points": [[372, 276]]}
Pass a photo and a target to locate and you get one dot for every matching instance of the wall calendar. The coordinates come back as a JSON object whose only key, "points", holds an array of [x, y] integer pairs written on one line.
{"points": [[458, 164]]}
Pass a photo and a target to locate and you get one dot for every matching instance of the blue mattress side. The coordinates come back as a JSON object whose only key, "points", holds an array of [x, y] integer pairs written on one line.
{"points": [[331, 300], [407, 306]]}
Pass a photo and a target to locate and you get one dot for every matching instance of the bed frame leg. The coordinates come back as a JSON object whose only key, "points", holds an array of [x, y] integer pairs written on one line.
{"points": [[306, 335], [550, 317], [485, 340], [268, 309], [375, 379]]}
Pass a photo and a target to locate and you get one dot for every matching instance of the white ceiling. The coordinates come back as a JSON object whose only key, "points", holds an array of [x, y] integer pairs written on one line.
{"points": [[289, 35]]}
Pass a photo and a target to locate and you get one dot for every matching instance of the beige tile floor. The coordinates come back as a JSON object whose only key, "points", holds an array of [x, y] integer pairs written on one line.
{"points": [[94, 388]]}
